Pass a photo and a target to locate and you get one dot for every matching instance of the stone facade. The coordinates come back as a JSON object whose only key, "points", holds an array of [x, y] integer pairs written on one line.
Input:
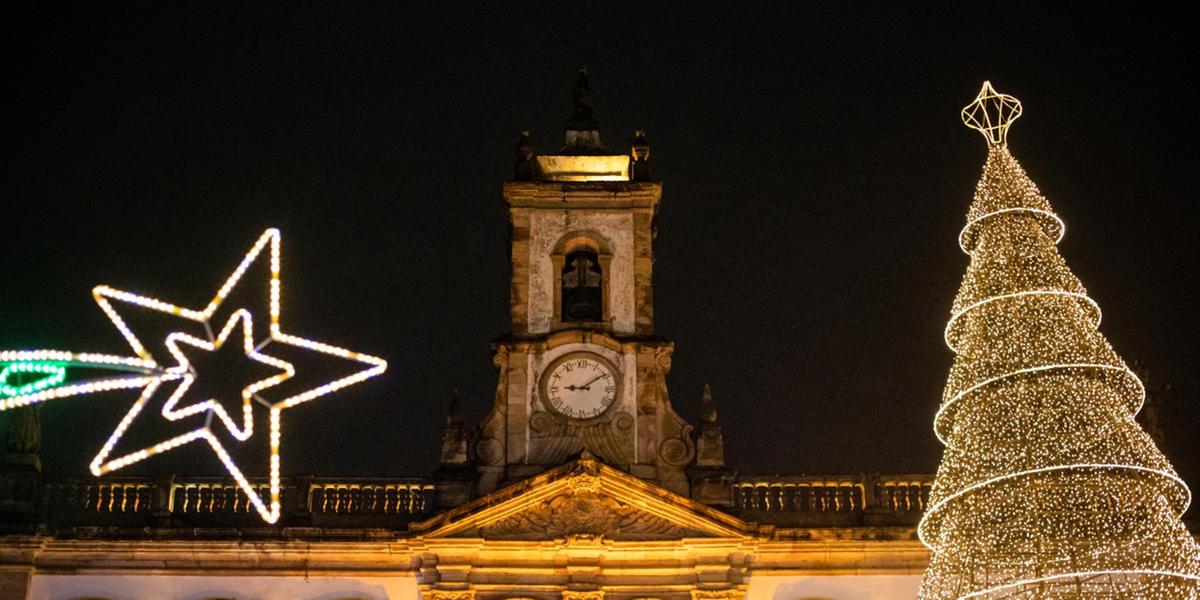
{"points": [[580, 528]]}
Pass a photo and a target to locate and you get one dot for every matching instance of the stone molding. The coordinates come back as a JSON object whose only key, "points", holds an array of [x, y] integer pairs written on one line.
{"points": [[451, 594], [588, 595], [718, 594]]}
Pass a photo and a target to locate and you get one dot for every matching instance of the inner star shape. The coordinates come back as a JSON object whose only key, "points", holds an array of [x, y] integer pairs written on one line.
{"points": [[188, 376]]}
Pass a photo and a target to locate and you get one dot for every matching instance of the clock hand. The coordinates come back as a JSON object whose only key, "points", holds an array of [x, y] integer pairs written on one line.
{"points": [[586, 385]]}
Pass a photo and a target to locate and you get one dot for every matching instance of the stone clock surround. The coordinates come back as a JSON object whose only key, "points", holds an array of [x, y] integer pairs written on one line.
{"points": [[539, 364]]}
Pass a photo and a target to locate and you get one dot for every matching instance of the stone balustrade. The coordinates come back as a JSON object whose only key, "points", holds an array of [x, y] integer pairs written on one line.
{"points": [[831, 500], [215, 502], [391, 503], [370, 496]]}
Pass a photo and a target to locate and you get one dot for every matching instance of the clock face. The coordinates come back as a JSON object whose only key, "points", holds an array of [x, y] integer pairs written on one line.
{"points": [[580, 385]]}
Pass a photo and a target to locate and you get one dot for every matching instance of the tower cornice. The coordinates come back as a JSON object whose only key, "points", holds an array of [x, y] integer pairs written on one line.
{"points": [[601, 195]]}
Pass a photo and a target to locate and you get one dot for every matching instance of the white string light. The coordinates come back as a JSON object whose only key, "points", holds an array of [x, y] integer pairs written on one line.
{"points": [[151, 376], [146, 371]]}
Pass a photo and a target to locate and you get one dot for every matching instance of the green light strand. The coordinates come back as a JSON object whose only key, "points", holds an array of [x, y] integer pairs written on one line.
{"points": [[55, 374]]}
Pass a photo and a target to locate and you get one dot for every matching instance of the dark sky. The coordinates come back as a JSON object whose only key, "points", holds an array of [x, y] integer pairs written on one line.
{"points": [[815, 177]]}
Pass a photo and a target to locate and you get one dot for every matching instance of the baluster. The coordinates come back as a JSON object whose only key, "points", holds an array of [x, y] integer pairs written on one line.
{"points": [[389, 499], [81, 497], [103, 498], [426, 499], [318, 498]]}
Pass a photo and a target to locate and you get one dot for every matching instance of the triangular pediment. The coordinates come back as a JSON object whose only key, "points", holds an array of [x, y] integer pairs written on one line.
{"points": [[583, 498]]}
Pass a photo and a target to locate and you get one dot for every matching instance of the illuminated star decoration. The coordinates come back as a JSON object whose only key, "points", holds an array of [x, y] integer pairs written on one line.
{"points": [[149, 375]]}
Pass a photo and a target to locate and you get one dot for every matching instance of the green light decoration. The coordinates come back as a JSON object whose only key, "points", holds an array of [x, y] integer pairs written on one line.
{"points": [[53, 374]]}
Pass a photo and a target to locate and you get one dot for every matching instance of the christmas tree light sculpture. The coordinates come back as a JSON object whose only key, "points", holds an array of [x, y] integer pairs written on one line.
{"points": [[1047, 488]]}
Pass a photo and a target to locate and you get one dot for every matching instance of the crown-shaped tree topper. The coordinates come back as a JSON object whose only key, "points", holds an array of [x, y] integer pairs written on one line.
{"points": [[991, 113]]}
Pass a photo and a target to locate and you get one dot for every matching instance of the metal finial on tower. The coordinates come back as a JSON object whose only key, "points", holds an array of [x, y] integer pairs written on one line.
{"points": [[582, 97], [991, 114], [581, 135], [708, 408]]}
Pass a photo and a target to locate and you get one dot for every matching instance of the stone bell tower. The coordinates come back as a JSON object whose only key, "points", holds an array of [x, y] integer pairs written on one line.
{"points": [[582, 371]]}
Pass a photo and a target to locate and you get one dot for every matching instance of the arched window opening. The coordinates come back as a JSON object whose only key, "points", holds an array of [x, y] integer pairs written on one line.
{"points": [[582, 286]]}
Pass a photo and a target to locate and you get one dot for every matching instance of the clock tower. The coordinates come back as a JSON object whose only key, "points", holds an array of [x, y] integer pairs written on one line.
{"points": [[582, 371]]}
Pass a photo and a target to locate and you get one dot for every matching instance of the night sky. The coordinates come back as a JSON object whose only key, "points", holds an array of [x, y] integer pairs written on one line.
{"points": [[815, 177]]}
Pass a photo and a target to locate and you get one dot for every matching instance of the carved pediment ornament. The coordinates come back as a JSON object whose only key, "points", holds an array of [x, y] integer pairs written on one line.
{"points": [[587, 482], [584, 511], [583, 499]]}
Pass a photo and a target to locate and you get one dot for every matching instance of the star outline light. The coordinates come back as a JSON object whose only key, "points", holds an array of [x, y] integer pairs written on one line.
{"points": [[149, 375], [271, 237]]}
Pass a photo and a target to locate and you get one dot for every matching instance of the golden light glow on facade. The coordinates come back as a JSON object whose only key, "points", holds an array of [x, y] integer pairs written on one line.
{"points": [[587, 167], [1048, 488]]}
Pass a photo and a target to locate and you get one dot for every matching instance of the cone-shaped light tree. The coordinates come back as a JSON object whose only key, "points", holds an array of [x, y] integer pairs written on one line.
{"points": [[1047, 488]]}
